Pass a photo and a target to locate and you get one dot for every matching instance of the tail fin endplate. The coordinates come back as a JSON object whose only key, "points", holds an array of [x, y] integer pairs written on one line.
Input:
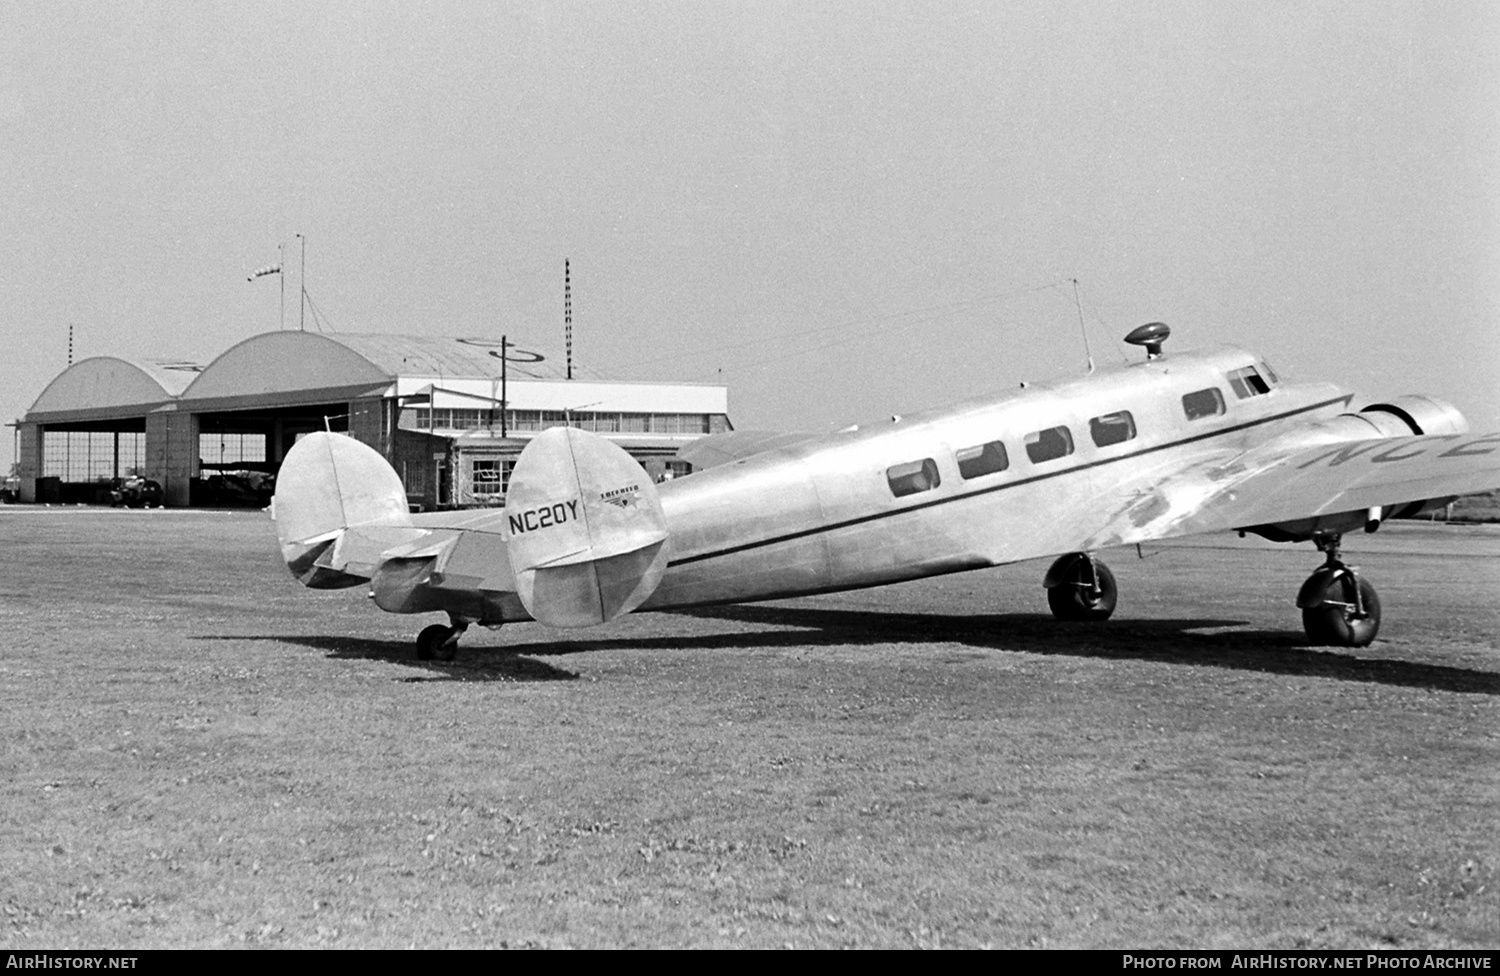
{"points": [[584, 529], [327, 484]]}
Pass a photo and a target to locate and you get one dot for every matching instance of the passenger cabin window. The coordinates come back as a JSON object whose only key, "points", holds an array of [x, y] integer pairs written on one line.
{"points": [[1248, 383], [1204, 403], [1112, 428], [982, 459], [1049, 444], [912, 477]]}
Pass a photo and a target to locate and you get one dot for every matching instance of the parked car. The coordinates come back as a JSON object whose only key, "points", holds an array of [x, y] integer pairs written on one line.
{"points": [[136, 492]]}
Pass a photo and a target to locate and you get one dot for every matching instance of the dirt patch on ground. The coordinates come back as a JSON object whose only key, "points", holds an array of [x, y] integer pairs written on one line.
{"points": [[197, 752]]}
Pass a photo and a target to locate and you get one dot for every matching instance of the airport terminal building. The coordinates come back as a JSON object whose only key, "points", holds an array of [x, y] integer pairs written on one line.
{"points": [[449, 414]]}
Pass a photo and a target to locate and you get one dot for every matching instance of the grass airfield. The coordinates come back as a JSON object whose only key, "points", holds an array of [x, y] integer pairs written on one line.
{"points": [[200, 753]]}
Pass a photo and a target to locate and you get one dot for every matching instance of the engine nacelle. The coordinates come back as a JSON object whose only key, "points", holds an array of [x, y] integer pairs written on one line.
{"points": [[1420, 414], [1404, 416]]}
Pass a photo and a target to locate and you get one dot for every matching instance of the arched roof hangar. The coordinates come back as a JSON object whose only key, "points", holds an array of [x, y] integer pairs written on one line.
{"points": [[272, 387]]}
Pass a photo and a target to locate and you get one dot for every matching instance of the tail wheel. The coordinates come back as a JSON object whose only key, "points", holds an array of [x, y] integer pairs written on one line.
{"points": [[1081, 589], [1346, 615], [437, 643]]}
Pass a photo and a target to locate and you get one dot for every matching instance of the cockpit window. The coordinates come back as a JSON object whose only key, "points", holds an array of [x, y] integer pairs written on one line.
{"points": [[1270, 373], [1049, 444], [1248, 383], [1204, 403], [1112, 428], [912, 477], [982, 459]]}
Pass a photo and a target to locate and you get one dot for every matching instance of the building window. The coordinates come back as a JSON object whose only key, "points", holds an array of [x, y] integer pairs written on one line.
{"points": [[414, 476], [491, 476], [77, 456], [601, 423], [1204, 403], [913, 477], [679, 423], [220, 450], [982, 459], [1112, 428], [1049, 444]]}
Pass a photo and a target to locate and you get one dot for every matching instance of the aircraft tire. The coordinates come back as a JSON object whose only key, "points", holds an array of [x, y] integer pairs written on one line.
{"points": [[430, 644], [1072, 597], [1332, 622], [447, 647]]}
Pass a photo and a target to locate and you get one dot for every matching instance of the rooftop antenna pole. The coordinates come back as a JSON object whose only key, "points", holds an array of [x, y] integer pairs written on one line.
{"points": [[568, 313], [504, 394], [302, 285], [1081, 327], [70, 348]]}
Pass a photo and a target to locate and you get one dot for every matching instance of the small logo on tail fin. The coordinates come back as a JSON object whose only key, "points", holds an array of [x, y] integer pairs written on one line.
{"points": [[622, 497]]}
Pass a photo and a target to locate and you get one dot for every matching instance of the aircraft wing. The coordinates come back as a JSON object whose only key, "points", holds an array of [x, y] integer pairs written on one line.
{"points": [[1278, 484]]}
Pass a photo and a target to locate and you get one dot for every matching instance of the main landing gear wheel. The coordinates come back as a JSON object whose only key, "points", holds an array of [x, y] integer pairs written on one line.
{"points": [[1340, 608], [1348, 614], [1080, 587], [439, 643]]}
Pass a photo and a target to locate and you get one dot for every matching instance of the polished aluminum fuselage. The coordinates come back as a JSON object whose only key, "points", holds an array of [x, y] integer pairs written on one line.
{"points": [[821, 515]]}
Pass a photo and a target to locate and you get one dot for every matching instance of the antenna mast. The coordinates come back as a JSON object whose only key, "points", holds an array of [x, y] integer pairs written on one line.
{"points": [[568, 313], [70, 347], [302, 285], [1081, 327]]}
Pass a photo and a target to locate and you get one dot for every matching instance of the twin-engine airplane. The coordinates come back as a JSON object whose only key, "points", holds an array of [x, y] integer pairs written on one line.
{"points": [[1170, 446]]}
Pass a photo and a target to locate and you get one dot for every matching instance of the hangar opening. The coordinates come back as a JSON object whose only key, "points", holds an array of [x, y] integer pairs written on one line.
{"points": [[240, 451]]}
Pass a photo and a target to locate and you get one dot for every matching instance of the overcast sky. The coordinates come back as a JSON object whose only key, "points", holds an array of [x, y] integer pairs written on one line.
{"points": [[841, 210]]}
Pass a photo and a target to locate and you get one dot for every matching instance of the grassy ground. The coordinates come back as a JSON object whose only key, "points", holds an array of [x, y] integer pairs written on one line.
{"points": [[197, 752]]}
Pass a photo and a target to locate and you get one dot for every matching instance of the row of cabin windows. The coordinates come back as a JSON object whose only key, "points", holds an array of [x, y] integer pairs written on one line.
{"points": [[1053, 443]]}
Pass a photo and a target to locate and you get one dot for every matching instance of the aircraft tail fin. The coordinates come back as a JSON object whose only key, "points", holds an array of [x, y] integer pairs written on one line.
{"points": [[327, 484], [584, 529]]}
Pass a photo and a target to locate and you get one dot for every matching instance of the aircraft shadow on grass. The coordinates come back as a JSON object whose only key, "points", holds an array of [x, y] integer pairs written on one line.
{"points": [[1206, 643], [473, 664], [1200, 642]]}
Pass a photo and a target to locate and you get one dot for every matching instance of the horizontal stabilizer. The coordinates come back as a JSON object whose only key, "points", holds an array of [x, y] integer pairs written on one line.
{"points": [[584, 529]]}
